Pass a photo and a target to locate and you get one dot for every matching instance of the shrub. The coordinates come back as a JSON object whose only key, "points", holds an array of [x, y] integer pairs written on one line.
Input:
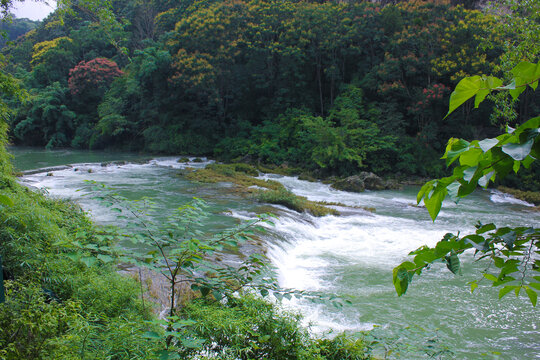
{"points": [[32, 326], [251, 328]]}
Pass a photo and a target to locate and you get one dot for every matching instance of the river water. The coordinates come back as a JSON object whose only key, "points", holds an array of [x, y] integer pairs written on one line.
{"points": [[351, 255]]}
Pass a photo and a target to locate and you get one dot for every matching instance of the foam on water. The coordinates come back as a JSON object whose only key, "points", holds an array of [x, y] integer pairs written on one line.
{"points": [[354, 254], [499, 197], [70, 183]]}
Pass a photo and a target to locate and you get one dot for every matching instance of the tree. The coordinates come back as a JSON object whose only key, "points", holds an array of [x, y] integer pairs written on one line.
{"points": [[48, 120], [93, 77], [512, 251]]}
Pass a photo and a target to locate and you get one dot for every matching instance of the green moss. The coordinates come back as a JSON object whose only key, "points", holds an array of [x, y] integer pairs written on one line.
{"points": [[280, 170], [215, 173], [532, 197], [286, 198], [242, 176], [247, 169]]}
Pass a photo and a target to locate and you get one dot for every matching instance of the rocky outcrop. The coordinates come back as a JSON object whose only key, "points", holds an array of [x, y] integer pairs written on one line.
{"points": [[47, 170], [364, 181]]}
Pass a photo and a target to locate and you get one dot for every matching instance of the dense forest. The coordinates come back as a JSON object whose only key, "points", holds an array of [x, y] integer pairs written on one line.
{"points": [[333, 87]]}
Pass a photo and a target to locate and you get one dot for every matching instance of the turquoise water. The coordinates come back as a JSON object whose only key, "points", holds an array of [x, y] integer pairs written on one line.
{"points": [[350, 255]]}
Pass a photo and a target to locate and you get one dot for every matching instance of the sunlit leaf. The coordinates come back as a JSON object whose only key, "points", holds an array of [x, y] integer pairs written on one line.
{"points": [[465, 89], [533, 296], [518, 151], [505, 290]]}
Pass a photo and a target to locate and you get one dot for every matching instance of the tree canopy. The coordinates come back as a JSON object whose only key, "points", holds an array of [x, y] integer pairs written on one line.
{"points": [[237, 78]]}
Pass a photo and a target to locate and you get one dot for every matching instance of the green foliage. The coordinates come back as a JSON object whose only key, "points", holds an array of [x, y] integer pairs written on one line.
{"points": [[250, 328], [343, 347], [188, 90], [252, 321], [523, 18], [16, 28], [344, 140], [52, 61], [482, 161], [47, 119], [67, 300], [33, 327], [337, 144], [510, 250]]}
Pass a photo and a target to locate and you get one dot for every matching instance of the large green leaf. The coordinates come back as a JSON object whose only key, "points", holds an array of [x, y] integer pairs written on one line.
{"points": [[533, 296], [453, 264], [402, 277], [518, 151], [470, 157], [505, 290], [526, 72], [487, 144], [454, 149], [434, 201], [490, 83], [465, 89]]}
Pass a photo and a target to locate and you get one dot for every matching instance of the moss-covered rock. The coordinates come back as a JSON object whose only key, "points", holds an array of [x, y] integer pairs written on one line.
{"points": [[294, 202], [268, 191], [245, 183], [364, 181]]}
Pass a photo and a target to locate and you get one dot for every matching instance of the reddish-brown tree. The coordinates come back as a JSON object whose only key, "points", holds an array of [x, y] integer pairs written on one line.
{"points": [[90, 78]]}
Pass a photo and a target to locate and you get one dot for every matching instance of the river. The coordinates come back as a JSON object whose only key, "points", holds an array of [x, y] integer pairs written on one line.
{"points": [[351, 255]]}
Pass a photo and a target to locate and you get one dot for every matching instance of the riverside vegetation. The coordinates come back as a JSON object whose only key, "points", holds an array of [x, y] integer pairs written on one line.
{"points": [[509, 252]]}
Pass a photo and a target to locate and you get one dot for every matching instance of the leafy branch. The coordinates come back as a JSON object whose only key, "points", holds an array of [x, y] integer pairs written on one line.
{"points": [[513, 251]]}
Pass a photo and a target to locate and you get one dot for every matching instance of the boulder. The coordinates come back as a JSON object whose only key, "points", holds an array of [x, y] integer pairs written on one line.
{"points": [[372, 181], [392, 184], [353, 183], [358, 183]]}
